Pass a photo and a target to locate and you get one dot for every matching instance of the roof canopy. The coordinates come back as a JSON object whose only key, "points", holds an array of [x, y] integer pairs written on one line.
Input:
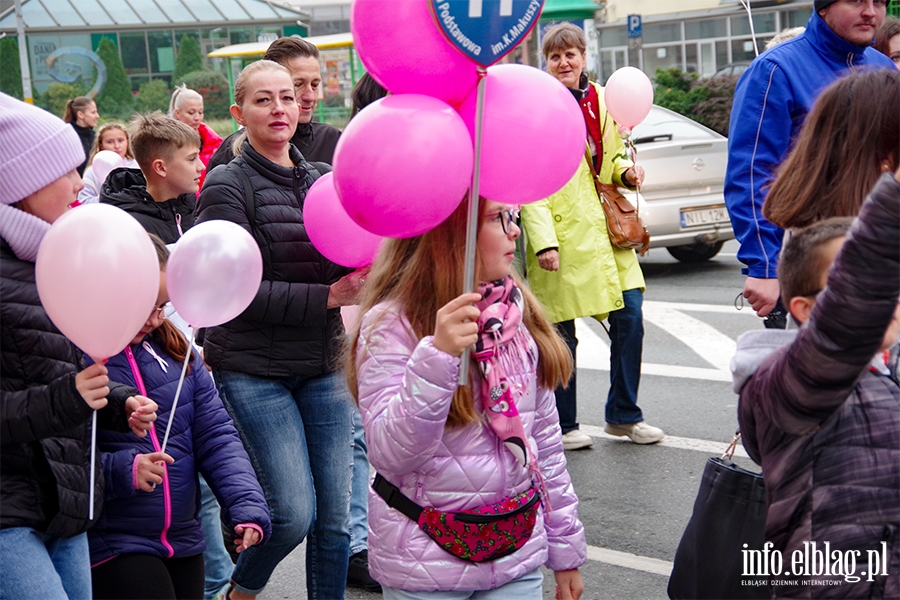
{"points": [[322, 42], [561, 10], [146, 14]]}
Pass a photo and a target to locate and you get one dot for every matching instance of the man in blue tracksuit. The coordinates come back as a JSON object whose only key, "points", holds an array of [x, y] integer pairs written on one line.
{"points": [[770, 104]]}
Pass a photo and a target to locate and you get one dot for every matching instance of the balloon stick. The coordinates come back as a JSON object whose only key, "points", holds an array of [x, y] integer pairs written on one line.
{"points": [[93, 463], [187, 358], [472, 230]]}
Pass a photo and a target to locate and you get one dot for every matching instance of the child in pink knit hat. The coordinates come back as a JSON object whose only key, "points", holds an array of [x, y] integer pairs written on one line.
{"points": [[47, 397]]}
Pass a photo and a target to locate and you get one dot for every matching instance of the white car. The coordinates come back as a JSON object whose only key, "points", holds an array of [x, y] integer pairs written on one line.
{"points": [[682, 201]]}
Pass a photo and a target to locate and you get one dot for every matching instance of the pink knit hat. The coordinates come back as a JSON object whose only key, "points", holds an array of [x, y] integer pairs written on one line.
{"points": [[36, 149]]}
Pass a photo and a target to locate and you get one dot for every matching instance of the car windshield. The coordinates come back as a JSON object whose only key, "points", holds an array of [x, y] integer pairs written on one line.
{"points": [[662, 125]]}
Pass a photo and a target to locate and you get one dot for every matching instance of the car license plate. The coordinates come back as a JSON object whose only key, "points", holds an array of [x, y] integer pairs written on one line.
{"points": [[696, 217]]}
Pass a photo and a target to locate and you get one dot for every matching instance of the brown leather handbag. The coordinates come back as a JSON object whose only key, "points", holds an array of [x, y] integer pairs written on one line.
{"points": [[624, 224]]}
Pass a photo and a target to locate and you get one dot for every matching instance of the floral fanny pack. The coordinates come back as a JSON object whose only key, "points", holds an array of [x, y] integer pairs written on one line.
{"points": [[477, 535]]}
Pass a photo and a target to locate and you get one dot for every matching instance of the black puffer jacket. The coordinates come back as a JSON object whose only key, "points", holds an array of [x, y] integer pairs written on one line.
{"points": [[44, 422], [127, 189], [287, 329]]}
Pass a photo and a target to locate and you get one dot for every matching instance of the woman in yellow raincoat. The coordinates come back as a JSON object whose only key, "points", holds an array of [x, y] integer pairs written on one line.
{"points": [[573, 268]]}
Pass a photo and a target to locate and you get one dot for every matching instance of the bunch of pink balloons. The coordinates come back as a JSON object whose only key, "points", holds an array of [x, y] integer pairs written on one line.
{"points": [[406, 162]]}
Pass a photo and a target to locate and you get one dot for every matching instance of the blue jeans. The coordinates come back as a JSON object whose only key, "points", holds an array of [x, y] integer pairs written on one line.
{"points": [[626, 333], [216, 561], [359, 489], [35, 565], [526, 587], [297, 432]]}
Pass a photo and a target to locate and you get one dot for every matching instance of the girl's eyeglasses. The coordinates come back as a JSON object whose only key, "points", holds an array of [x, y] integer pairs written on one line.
{"points": [[507, 218], [164, 312]]}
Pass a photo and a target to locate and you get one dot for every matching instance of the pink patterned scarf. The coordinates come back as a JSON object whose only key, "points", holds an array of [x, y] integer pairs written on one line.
{"points": [[501, 315]]}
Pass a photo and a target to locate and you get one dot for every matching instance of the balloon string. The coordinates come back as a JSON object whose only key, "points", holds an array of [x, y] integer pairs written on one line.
{"points": [[187, 358]]}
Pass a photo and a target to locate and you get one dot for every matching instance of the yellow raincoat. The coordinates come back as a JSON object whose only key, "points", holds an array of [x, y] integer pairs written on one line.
{"points": [[592, 273]]}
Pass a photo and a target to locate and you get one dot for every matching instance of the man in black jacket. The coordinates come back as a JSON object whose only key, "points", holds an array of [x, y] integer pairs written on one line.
{"points": [[316, 141]]}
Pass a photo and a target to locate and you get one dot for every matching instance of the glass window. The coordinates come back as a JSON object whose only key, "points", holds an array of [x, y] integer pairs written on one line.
{"points": [[34, 14], [242, 36], [65, 15], [204, 9], [692, 65], [762, 23], [663, 57], [122, 13], [662, 32], [232, 10], [707, 28], [93, 12], [616, 36], [742, 50], [134, 52], [798, 18], [176, 11], [268, 34], [152, 15], [137, 81], [162, 51], [721, 54]]}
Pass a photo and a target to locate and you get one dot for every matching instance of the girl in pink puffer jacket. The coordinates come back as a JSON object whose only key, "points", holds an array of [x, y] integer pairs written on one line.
{"points": [[494, 445]]}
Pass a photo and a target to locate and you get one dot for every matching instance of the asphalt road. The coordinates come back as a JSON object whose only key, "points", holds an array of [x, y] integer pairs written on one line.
{"points": [[636, 500]]}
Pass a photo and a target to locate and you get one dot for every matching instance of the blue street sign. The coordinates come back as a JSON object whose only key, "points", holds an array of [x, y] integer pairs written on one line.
{"points": [[635, 29], [486, 30]]}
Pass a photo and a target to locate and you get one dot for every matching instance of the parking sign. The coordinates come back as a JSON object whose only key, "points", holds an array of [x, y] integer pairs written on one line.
{"points": [[634, 26]]}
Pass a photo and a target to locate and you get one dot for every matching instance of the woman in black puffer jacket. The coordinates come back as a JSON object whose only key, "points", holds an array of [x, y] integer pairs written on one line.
{"points": [[276, 364], [46, 395]]}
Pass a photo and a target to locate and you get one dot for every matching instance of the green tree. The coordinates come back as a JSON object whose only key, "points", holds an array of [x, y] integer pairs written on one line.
{"points": [[11, 73], [213, 86], [189, 58], [153, 95], [678, 91], [115, 99], [58, 94]]}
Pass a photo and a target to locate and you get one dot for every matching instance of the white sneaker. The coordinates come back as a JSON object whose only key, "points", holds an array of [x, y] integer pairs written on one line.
{"points": [[575, 439], [640, 433]]}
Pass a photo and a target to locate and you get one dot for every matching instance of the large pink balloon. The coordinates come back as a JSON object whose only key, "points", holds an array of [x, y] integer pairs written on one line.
{"points": [[104, 162], [98, 278], [213, 273], [533, 134], [403, 165], [629, 96], [404, 49], [332, 231]]}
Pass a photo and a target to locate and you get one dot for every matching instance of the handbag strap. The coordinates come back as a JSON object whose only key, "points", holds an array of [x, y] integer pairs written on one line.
{"points": [[395, 498], [729, 451]]}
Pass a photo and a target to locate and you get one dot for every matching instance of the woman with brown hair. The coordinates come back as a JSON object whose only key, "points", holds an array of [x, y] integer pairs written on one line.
{"points": [[887, 39], [851, 137], [81, 113], [493, 441]]}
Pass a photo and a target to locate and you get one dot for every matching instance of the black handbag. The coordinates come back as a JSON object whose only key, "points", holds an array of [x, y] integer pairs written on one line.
{"points": [[729, 512]]}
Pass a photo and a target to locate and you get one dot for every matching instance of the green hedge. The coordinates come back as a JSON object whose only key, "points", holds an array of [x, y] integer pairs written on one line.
{"points": [[707, 101], [11, 72], [152, 95], [213, 86]]}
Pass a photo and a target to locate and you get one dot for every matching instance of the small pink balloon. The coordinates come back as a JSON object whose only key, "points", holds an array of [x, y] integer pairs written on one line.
{"points": [[332, 231], [403, 48], [98, 277], [533, 134], [213, 273], [103, 164], [629, 96], [403, 165]]}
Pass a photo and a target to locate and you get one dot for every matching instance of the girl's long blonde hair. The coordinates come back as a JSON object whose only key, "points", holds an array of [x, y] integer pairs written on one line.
{"points": [[95, 147], [422, 274]]}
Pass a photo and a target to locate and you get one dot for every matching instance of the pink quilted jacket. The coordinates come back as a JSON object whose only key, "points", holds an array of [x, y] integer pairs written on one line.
{"points": [[405, 389]]}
